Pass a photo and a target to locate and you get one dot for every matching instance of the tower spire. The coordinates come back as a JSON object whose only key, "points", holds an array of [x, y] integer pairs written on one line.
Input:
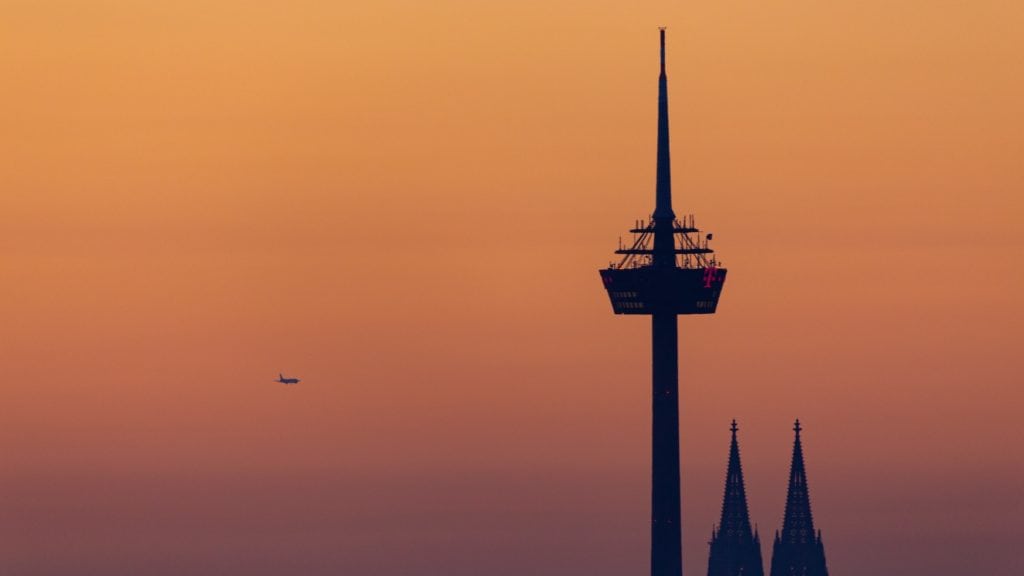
{"points": [[735, 550], [662, 30], [664, 239], [798, 549]]}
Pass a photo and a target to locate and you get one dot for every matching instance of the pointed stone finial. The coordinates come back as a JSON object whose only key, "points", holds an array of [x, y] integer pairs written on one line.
{"points": [[734, 427], [796, 427]]}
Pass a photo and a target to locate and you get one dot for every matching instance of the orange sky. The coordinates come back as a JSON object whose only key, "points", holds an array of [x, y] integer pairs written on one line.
{"points": [[406, 204]]}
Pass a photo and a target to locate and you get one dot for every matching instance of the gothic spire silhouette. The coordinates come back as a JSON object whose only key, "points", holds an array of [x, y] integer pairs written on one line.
{"points": [[798, 551], [735, 549]]}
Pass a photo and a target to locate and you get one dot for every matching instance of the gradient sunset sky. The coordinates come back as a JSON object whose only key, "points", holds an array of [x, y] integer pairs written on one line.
{"points": [[405, 204]]}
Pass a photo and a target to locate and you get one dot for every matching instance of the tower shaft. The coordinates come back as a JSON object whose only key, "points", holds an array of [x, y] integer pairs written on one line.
{"points": [[666, 529]]}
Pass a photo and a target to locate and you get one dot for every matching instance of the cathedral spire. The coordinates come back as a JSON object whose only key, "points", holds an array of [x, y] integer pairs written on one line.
{"points": [[798, 524], [798, 549], [735, 550], [735, 517]]}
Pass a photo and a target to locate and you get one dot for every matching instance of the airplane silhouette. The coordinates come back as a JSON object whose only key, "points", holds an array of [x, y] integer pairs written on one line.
{"points": [[283, 380]]}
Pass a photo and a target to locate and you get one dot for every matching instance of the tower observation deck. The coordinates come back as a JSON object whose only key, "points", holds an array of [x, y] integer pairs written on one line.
{"points": [[667, 270]]}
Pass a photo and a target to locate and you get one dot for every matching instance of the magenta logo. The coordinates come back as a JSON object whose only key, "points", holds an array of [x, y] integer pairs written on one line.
{"points": [[710, 276]]}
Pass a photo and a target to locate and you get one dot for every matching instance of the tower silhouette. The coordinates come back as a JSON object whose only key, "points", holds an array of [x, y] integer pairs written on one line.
{"points": [[664, 273], [798, 551], [735, 550]]}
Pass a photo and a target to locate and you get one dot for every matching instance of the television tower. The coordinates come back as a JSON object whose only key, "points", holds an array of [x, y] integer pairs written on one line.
{"points": [[666, 271]]}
